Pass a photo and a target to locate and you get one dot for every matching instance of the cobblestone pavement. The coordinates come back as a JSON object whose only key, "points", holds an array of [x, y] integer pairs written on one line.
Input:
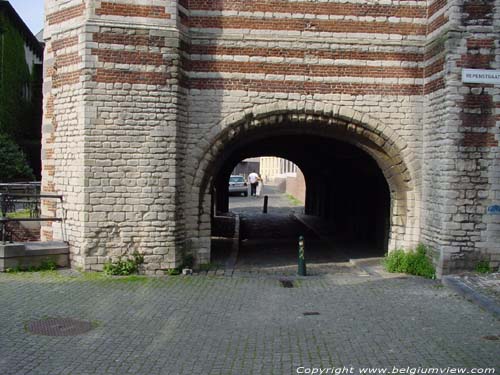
{"points": [[270, 241], [344, 315], [239, 325]]}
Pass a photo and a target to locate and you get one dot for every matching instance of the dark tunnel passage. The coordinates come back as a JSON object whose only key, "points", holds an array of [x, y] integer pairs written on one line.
{"points": [[344, 185]]}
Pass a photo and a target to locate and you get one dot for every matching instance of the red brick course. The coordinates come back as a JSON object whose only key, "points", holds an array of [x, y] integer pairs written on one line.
{"points": [[437, 23], [304, 87], [435, 85], [436, 67], [478, 120], [49, 187], [284, 6], [301, 53], [129, 10], [479, 101], [66, 14], [129, 57], [49, 107], [128, 39], [480, 43], [478, 12], [340, 26], [304, 69], [59, 44], [126, 76], [67, 59], [47, 233], [478, 111], [62, 79], [436, 6], [479, 140], [475, 61]]}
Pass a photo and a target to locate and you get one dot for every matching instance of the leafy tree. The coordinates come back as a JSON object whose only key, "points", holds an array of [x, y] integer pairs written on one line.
{"points": [[20, 99], [15, 78], [13, 165]]}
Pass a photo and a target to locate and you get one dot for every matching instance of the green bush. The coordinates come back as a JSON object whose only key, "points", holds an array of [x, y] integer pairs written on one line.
{"points": [[395, 261], [483, 267], [173, 271], [412, 262], [124, 267], [13, 165]]}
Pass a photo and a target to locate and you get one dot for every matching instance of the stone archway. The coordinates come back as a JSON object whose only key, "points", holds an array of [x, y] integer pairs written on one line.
{"points": [[379, 141]]}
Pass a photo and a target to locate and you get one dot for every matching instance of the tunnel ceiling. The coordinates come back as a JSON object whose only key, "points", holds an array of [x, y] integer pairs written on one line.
{"points": [[309, 152]]}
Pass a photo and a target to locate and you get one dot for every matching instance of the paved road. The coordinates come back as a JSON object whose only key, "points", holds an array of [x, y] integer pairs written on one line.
{"points": [[279, 203], [239, 325], [270, 241], [244, 324]]}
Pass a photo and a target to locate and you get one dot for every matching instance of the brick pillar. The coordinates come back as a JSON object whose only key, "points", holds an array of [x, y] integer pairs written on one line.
{"points": [[113, 113], [461, 139]]}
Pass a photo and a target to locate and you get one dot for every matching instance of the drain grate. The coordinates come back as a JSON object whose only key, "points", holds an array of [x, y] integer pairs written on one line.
{"points": [[59, 327], [491, 338], [286, 283], [309, 313]]}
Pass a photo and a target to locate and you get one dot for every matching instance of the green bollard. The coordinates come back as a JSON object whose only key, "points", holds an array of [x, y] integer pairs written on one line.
{"points": [[302, 261]]}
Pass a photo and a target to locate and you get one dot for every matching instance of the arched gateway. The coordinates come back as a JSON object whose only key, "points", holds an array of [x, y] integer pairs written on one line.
{"points": [[302, 119], [146, 102]]}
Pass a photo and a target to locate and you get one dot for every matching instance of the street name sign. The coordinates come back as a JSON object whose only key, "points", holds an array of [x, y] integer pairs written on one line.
{"points": [[490, 76]]}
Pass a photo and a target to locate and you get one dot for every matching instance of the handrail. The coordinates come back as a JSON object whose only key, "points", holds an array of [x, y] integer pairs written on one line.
{"points": [[8, 204]]}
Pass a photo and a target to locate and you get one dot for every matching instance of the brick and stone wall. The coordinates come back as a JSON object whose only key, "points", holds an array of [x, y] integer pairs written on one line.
{"points": [[143, 97], [305, 58], [296, 186]]}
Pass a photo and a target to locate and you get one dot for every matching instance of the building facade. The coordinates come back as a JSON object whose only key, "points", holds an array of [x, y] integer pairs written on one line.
{"points": [[148, 101], [272, 167], [21, 56]]}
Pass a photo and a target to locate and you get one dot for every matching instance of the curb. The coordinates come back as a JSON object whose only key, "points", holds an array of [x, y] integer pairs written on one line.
{"points": [[471, 295]]}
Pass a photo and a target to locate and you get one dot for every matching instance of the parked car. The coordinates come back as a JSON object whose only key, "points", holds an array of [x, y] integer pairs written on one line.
{"points": [[237, 185]]}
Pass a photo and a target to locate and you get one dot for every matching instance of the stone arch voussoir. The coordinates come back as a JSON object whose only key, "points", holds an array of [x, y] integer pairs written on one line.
{"points": [[392, 155]]}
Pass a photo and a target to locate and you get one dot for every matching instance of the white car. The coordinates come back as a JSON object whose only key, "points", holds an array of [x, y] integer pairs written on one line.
{"points": [[237, 185]]}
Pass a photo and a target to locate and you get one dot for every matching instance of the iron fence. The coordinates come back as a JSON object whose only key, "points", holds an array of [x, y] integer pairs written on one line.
{"points": [[22, 207]]}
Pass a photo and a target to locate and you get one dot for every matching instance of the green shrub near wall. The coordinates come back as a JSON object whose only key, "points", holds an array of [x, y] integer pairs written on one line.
{"points": [[411, 262]]}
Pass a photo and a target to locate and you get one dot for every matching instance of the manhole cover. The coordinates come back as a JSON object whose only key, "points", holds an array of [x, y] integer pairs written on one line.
{"points": [[286, 283], [491, 338], [59, 327]]}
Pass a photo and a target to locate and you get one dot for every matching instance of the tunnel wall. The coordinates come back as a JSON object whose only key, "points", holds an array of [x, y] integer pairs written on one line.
{"points": [[296, 186]]}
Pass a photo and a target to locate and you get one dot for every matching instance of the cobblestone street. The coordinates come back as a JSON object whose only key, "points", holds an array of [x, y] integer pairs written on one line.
{"points": [[270, 241], [345, 314], [239, 325]]}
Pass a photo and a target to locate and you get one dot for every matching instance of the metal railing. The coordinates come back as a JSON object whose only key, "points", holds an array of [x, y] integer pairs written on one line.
{"points": [[25, 205], [20, 187]]}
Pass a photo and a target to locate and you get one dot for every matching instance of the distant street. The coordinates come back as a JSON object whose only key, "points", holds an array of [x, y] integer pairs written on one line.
{"points": [[279, 203], [269, 242]]}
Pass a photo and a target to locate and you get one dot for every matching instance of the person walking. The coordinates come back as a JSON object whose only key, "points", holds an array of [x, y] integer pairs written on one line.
{"points": [[260, 184], [253, 179]]}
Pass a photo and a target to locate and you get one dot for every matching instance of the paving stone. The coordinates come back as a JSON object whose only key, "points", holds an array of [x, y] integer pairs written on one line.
{"points": [[239, 325]]}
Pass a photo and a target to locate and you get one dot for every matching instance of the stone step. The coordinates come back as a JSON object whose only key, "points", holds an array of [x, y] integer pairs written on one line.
{"points": [[46, 247], [33, 254]]}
